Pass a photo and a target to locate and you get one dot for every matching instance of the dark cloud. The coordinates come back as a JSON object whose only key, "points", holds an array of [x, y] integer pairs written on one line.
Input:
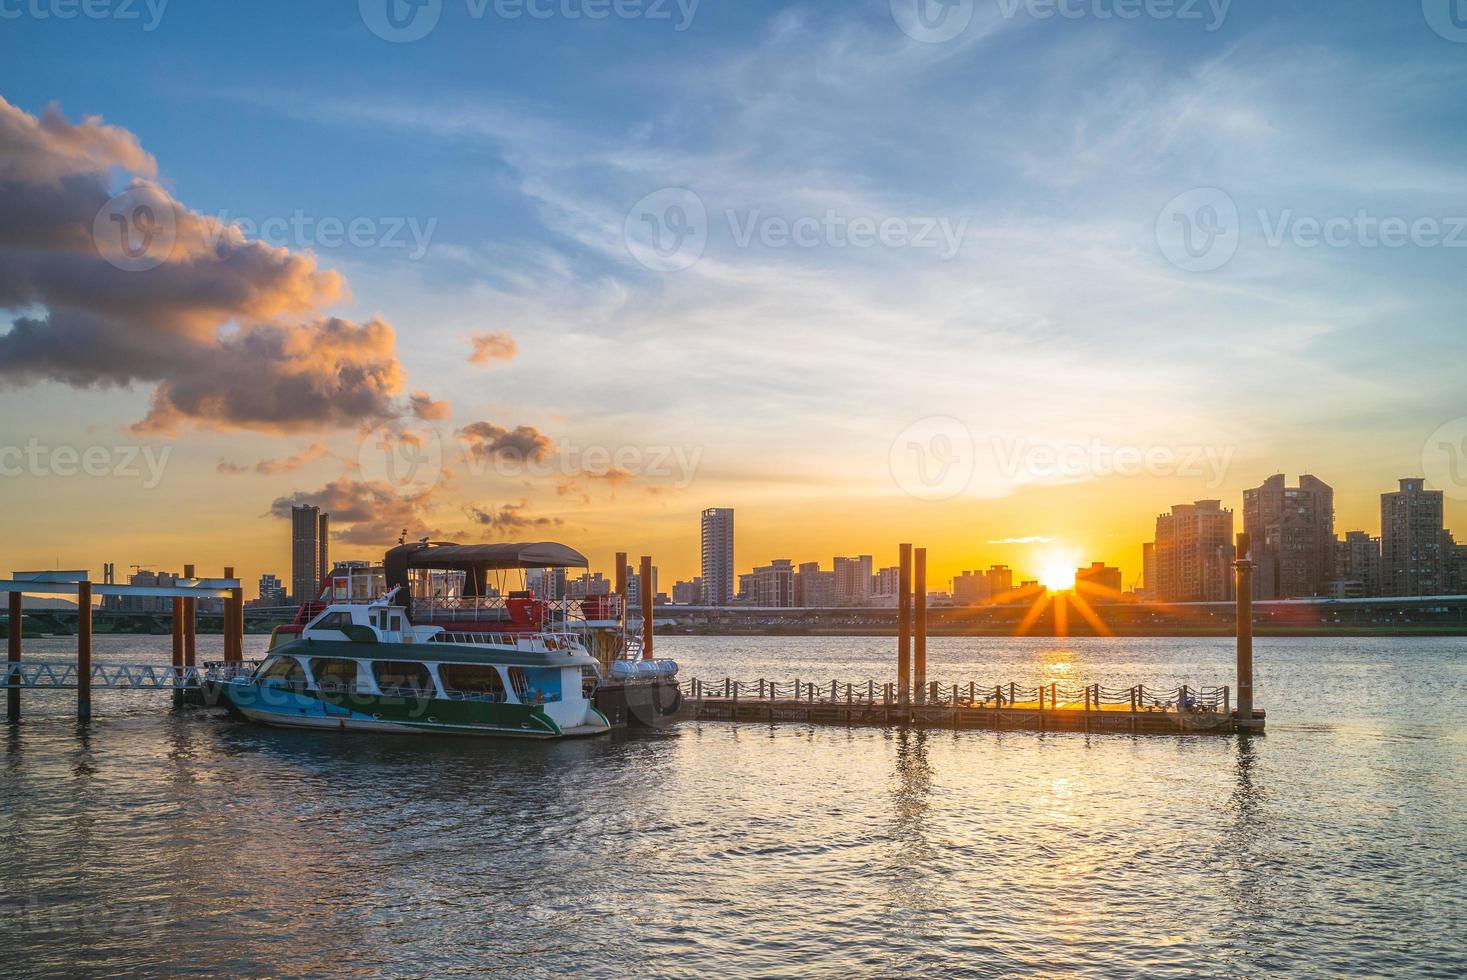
{"points": [[510, 518], [226, 330], [366, 513], [485, 440], [424, 407]]}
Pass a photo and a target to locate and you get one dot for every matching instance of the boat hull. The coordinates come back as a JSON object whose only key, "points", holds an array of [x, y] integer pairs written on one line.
{"points": [[416, 715]]}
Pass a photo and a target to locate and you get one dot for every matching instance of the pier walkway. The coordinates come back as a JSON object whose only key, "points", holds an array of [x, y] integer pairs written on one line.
{"points": [[1137, 709]]}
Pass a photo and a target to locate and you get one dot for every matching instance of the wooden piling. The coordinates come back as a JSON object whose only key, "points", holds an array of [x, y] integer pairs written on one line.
{"points": [[83, 650], [645, 590], [190, 624], [12, 652], [919, 621], [904, 625], [620, 583], [178, 616], [1244, 566]]}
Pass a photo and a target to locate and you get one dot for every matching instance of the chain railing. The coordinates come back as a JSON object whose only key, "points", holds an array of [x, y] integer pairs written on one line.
{"points": [[1045, 697]]}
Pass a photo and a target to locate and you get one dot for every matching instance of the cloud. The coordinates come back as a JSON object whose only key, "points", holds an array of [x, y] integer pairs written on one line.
{"points": [[485, 440], [118, 291], [490, 347], [1036, 539], [424, 407], [509, 518], [365, 512], [269, 467]]}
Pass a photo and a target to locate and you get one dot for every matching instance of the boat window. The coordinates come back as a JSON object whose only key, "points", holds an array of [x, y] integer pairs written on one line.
{"points": [[334, 675], [285, 672], [333, 621], [472, 680], [396, 626], [518, 682], [403, 677]]}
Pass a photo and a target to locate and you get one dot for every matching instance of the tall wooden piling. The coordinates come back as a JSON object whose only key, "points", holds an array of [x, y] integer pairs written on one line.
{"points": [[233, 622], [12, 652], [645, 592], [919, 622], [620, 584], [190, 624], [178, 616], [84, 650], [904, 625], [1244, 566]]}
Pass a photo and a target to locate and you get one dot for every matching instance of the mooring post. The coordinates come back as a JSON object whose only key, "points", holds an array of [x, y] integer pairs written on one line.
{"points": [[645, 590], [190, 624], [919, 621], [904, 623], [1244, 566], [12, 654], [178, 614], [871, 690], [1227, 708], [231, 655], [83, 650], [1013, 690], [619, 584]]}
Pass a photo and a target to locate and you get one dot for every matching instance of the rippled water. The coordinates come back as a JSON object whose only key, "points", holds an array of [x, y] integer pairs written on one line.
{"points": [[154, 842]]}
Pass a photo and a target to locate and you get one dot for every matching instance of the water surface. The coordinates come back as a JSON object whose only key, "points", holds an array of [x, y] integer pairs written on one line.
{"points": [[158, 842]]}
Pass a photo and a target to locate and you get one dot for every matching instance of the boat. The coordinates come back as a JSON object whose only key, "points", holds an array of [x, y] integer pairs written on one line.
{"points": [[430, 642]]}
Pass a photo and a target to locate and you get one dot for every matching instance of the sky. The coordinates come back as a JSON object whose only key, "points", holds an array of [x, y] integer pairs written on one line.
{"points": [[1005, 278]]}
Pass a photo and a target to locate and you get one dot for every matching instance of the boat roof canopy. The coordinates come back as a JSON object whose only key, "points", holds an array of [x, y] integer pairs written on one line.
{"points": [[535, 554]]}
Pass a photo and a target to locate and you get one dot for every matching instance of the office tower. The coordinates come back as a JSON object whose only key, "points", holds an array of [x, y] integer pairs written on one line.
{"points": [[1000, 581], [718, 556], [272, 590], [1100, 581], [970, 589], [774, 584], [1292, 533], [886, 582], [1193, 554], [688, 593], [1148, 570], [1411, 539], [852, 580], [309, 554], [634, 586]]}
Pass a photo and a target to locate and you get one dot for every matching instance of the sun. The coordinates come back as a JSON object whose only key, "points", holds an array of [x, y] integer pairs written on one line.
{"points": [[1057, 575]]}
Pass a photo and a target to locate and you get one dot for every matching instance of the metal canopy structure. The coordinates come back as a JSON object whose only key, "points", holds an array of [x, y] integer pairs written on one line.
{"points": [[69, 583], [492, 557]]}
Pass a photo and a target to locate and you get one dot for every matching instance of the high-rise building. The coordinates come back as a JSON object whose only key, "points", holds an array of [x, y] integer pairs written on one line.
{"points": [[852, 580], [634, 586], [814, 589], [1100, 580], [1357, 565], [1456, 566], [718, 556], [886, 582], [1411, 539], [272, 590], [1194, 554], [309, 553], [688, 593], [1292, 533], [1000, 581], [970, 589], [147, 603], [774, 584], [1148, 570]]}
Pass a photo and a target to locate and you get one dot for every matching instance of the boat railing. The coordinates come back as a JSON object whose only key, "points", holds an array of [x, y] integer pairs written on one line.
{"points": [[541, 642], [450, 608]]}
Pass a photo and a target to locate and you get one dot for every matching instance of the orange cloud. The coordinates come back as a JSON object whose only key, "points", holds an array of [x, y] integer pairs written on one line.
{"points": [[490, 347]]}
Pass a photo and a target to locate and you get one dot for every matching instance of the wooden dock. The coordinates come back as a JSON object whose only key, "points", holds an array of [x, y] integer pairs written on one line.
{"points": [[1138, 710]]}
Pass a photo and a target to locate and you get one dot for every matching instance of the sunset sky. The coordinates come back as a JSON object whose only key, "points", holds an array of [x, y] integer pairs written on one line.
{"points": [[899, 286]]}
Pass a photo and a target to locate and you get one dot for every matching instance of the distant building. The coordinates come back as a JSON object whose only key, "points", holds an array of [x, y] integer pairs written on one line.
{"points": [[688, 593], [1000, 581], [147, 603], [814, 589], [774, 584], [309, 551], [1193, 554], [886, 583], [1099, 579], [1456, 566], [852, 581], [588, 584], [1357, 566], [718, 556], [272, 591], [1148, 571], [970, 589], [634, 586], [1292, 533], [1412, 562], [747, 587]]}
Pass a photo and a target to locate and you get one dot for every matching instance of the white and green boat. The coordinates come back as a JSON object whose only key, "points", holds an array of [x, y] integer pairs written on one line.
{"points": [[429, 644]]}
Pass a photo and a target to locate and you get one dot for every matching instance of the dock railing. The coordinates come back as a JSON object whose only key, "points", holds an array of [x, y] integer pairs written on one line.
{"points": [[1046, 697]]}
